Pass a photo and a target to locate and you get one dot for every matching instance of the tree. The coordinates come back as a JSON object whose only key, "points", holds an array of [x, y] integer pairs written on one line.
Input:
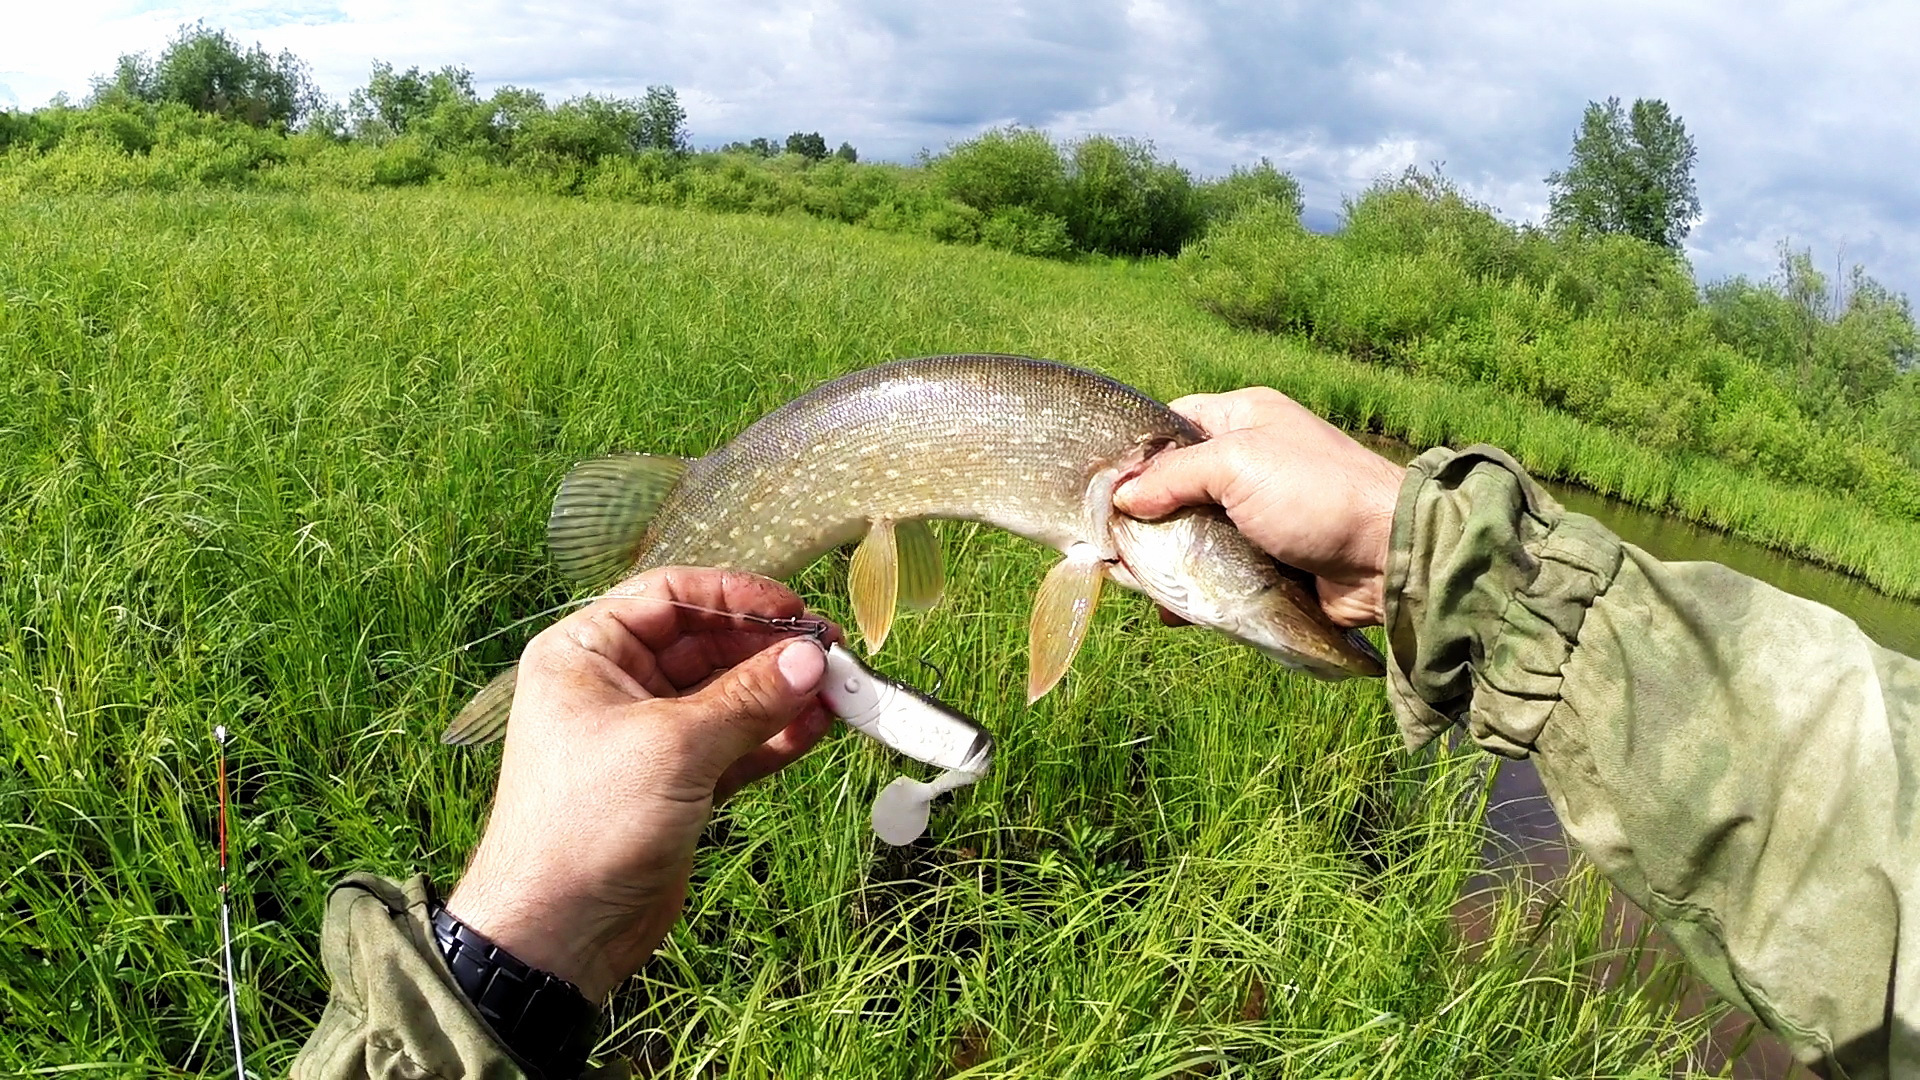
{"points": [[663, 123], [209, 72], [1631, 172], [847, 153], [393, 103], [757, 146], [808, 144]]}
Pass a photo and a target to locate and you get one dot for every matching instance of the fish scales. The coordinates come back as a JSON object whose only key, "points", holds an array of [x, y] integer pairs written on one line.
{"points": [[1011, 442]]}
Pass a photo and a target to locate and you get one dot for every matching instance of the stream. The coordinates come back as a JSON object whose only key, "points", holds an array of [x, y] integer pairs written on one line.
{"points": [[1524, 836]]}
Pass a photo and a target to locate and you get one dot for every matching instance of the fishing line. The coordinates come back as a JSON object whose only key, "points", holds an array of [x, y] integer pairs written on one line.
{"points": [[226, 916], [809, 625]]}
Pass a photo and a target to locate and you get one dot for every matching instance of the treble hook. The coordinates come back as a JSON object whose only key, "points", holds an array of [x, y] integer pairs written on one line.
{"points": [[939, 677]]}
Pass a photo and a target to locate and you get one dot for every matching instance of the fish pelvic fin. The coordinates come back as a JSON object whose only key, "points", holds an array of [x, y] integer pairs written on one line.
{"points": [[601, 511], [1061, 613], [485, 717], [923, 572], [873, 583]]}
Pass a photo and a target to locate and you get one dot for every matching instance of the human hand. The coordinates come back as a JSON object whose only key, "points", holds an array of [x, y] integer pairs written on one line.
{"points": [[632, 720], [1297, 486]]}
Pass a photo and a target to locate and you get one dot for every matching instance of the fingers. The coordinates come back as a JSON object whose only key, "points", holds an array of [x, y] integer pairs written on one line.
{"points": [[1183, 476], [1252, 406], [666, 647], [751, 703], [787, 746], [636, 602]]}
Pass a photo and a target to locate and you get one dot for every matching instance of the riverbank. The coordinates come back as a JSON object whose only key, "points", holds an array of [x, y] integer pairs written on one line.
{"points": [[1830, 530]]}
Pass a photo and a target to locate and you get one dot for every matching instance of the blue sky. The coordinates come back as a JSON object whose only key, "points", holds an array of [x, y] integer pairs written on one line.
{"points": [[1807, 116]]}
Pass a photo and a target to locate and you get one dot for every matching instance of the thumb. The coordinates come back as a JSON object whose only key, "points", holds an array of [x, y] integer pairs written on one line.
{"points": [[1183, 476], [752, 701]]}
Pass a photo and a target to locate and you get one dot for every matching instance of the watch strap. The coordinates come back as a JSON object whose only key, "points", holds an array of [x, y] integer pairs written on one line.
{"points": [[547, 1023]]}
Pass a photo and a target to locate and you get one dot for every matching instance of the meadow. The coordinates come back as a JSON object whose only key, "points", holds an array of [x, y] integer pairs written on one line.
{"points": [[269, 460]]}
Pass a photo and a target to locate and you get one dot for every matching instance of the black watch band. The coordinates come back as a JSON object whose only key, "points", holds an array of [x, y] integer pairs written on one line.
{"points": [[544, 1020]]}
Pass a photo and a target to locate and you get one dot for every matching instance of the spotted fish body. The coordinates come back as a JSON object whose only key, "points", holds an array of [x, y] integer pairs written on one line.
{"points": [[1007, 441], [1029, 446]]}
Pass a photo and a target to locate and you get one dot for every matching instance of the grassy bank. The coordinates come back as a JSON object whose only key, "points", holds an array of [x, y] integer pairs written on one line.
{"points": [[267, 460]]}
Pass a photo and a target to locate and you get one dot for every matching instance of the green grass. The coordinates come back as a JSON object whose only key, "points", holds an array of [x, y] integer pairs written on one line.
{"points": [[266, 460]]}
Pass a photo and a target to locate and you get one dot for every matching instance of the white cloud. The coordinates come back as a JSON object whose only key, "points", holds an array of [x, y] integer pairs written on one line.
{"points": [[1807, 119]]}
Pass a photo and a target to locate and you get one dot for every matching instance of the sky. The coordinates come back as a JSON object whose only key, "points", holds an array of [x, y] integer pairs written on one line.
{"points": [[1806, 116]]}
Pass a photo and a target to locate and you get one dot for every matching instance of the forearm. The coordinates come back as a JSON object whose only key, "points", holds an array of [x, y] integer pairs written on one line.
{"points": [[1739, 761]]}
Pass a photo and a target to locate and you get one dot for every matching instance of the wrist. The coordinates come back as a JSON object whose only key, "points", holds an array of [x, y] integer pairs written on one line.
{"points": [[1356, 594], [542, 928], [545, 1023]]}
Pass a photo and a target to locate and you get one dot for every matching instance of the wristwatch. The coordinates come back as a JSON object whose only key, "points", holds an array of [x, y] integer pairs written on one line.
{"points": [[542, 1019]]}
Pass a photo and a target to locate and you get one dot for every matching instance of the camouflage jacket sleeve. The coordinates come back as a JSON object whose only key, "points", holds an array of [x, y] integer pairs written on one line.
{"points": [[395, 1011], [1739, 761]]}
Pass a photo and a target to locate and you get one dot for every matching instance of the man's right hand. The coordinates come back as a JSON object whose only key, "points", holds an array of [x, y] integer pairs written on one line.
{"points": [[1296, 485]]}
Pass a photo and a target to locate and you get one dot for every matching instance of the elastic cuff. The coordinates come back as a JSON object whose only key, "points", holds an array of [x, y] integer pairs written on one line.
{"points": [[1488, 583]]}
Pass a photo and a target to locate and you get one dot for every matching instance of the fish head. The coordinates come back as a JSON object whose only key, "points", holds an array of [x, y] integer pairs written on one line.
{"points": [[1197, 565]]}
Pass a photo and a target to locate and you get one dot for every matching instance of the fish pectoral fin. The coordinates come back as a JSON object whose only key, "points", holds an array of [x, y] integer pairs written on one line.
{"points": [[485, 717], [923, 573], [601, 511], [1061, 613], [873, 583]]}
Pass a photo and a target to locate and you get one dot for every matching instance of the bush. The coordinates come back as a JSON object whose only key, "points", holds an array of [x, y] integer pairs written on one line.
{"points": [[1026, 231], [1004, 168], [403, 162], [1220, 200], [1262, 270], [1121, 200]]}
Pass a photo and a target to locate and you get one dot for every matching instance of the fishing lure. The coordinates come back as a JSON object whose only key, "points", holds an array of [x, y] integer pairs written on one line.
{"points": [[903, 720], [909, 722], [889, 712]]}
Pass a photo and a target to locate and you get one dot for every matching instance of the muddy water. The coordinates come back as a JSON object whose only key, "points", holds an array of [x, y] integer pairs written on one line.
{"points": [[1524, 837]]}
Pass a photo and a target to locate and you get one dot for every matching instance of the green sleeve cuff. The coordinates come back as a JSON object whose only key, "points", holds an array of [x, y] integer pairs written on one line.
{"points": [[1488, 583], [395, 1010]]}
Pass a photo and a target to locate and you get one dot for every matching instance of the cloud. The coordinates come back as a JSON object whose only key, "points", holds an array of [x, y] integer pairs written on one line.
{"points": [[1806, 118]]}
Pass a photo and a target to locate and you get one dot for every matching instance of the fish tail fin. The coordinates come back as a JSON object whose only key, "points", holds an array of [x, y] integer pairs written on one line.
{"points": [[485, 717], [601, 511]]}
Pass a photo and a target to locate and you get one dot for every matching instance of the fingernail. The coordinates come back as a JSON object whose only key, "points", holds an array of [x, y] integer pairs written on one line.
{"points": [[801, 665]]}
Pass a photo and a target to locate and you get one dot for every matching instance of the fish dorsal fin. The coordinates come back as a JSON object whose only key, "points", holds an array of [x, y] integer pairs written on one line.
{"points": [[1061, 613], [923, 573], [601, 512], [873, 581], [485, 717]]}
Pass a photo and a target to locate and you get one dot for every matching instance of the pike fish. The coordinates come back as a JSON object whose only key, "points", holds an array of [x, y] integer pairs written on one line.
{"points": [[1029, 446]]}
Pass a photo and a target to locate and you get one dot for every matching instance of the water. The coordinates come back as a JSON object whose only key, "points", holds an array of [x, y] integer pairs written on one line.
{"points": [[1893, 623], [1524, 837]]}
